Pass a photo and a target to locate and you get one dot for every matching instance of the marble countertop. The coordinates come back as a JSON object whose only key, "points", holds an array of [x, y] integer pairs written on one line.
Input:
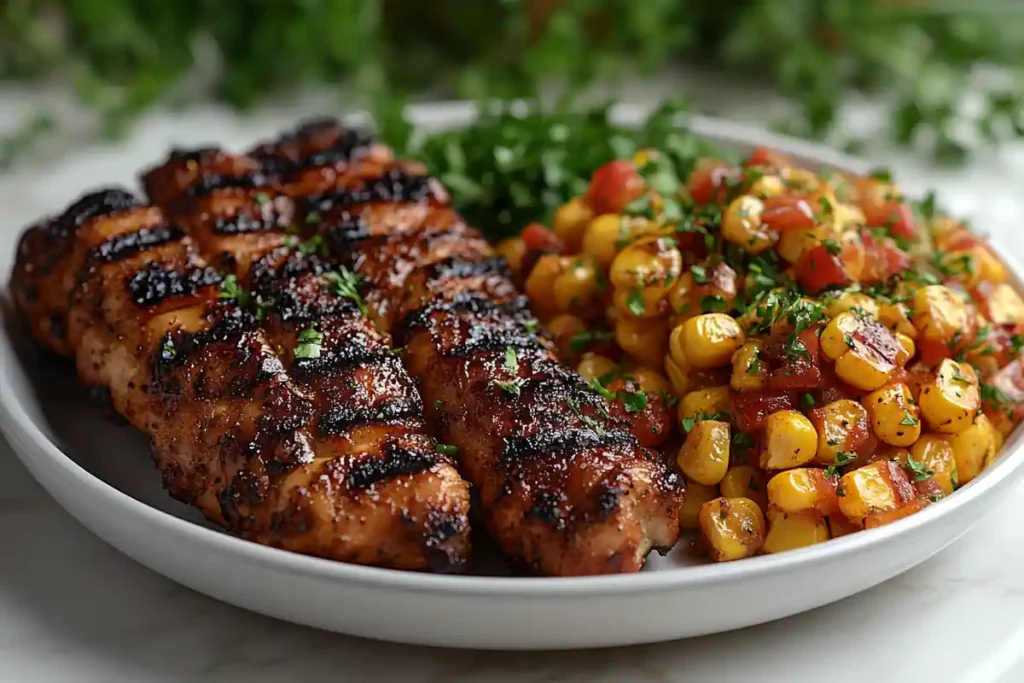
{"points": [[74, 610]]}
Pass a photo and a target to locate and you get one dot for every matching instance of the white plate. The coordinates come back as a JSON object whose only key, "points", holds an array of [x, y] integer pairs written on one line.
{"points": [[102, 474]]}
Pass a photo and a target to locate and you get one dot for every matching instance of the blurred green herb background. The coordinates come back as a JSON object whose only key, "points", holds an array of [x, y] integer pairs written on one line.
{"points": [[916, 57]]}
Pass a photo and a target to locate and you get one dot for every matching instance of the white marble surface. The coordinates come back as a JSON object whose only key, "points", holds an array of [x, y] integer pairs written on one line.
{"points": [[74, 610]]}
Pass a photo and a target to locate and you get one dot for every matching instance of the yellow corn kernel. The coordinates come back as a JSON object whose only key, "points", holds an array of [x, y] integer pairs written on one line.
{"points": [[897, 318], [990, 268], [790, 440], [864, 371], [963, 264], [649, 381], [767, 186], [895, 417], [939, 314], [602, 237], [749, 373], [907, 349], [707, 401], [696, 495], [642, 273], [789, 531], [837, 425], [593, 366], [745, 481], [576, 289], [514, 251], [540, 283], [793, 243], [935, 454], [734, 528], [706, 341], [871, 488], [741, 225], [1005, 306], [677, 374], [571, 220], [802, 489], [644, 340], [835, 338], [853, 302], [973, 447], [800, 178], [639, 302], [704, 456], [950, 400]]}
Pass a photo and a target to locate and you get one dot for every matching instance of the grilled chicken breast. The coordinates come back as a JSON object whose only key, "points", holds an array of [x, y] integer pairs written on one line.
{"points": [[565, 489], [112, 283]]}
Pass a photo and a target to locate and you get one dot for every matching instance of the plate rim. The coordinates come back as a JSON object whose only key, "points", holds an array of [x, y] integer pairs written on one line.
{"points": [[24, 433]]}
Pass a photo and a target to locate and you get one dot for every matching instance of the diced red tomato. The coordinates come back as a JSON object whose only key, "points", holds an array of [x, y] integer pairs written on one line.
{"points": [[930, 351], [751, 408], [787, 212], [710, 186], [896, 216], [613, 186], [536, 237], [929, 487], [882, 258], [831, 388], [818, 269], [766, 156], [793, 367]]}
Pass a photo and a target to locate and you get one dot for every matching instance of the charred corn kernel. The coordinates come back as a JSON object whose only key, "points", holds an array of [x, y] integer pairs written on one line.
{"points": [[649, 381], [877, 486], [603, 236], [839, 425], [767, 186], [678, 374], [577, 287], [749, 372], [593, 366], [963, 265], [649, 263], [704, 456], [789, 531], [706, 341], [638, 302], [1005, 306], [973, 447], [790, 440], [741, 225], [864, 371], [734, 528], [645, 340], [895, 418], [839, 525], [837, 335], [939, 314], [883, 517], [934, 454], [897, 318], [541, 281], [802, 489], [855, 303], [571, 220], [696, 495], [709, 401], [745, 481], [907, 349], [950, 400], [793, 243], [514, 251]]}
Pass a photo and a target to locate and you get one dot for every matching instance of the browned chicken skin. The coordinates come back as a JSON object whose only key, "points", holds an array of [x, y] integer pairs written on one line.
{"points": [[311, 460], [565, 489]]}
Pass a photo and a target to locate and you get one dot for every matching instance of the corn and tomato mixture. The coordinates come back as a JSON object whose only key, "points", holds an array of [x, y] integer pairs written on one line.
{"points": [[818, 353]]}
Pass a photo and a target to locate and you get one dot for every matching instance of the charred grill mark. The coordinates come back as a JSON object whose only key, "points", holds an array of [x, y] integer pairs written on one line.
{"points": [[394, 186], [553, 442], [125, 245], [211, 182], [103, 202], [276, 270], [340, 418], [442, 527], [496, 336], [194, 155], [396, 461], [244, 223], [547, 507], [313, 143], [608, 497], [343, 357], [455, 267], [346, 235], [155, 282], [476, 306], [228, 321]]}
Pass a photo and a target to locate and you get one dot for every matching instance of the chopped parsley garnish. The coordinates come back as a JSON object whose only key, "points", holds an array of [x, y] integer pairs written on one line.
{"points": [[310, 343], [597, 387], [689, 423], [910, 421], [511, 388], [633, 402], [439, 404], [826, 205], [263, 305], [832, 246], [583, 340], [807, 401], [635, 302], [918, 469], [230, 289], [700, 275], [446, 449], [261, 197], [1017, 342], [882, 174], [713, 303], [511, 360], [531, 324], [168, 350], [842, 458], [345, 283], [992, 394], [755, 366], [314, 245]]}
